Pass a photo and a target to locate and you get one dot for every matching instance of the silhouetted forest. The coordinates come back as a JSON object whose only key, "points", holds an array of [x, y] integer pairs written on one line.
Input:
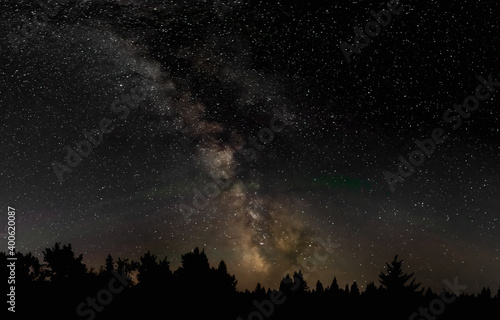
{"points": [[62, 287]]}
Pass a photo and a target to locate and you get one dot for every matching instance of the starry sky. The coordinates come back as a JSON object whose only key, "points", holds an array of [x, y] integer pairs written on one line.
{"points": [[187, 93]]}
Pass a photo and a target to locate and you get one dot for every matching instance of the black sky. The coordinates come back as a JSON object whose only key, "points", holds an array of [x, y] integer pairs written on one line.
{"points": [[212, 75]]}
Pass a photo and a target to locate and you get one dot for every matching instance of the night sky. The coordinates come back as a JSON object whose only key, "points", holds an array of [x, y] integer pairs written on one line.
{"points": [[259, 97]]}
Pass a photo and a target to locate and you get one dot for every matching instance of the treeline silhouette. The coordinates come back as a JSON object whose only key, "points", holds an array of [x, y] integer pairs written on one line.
{"points": [[62, 287]]}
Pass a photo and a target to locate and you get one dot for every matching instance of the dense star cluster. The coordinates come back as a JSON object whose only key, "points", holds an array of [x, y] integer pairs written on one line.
{"points": [[261, 132]]}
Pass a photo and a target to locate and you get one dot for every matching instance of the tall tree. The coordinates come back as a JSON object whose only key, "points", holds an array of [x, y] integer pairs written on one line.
{"points": [[110, 265], [286, 284], [194, 274], [394, 280], [319, 287], [259, 290], [299, 283], [223, 280], [334, 287], [354, 289]]}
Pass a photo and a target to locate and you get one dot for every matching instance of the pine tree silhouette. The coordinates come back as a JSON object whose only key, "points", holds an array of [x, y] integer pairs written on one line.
{"points": [[110, 265], [395, 280], [334, 288], [319, 287], [225, 282], [300, 284], [286, 285], [259, 290], [355, 289]]}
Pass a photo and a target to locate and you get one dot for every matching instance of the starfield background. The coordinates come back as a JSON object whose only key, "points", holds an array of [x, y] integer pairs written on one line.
{"points": [[253, 159]]}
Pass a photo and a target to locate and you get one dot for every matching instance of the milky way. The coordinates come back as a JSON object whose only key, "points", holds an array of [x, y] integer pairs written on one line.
{"points": [[186, 164]]}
